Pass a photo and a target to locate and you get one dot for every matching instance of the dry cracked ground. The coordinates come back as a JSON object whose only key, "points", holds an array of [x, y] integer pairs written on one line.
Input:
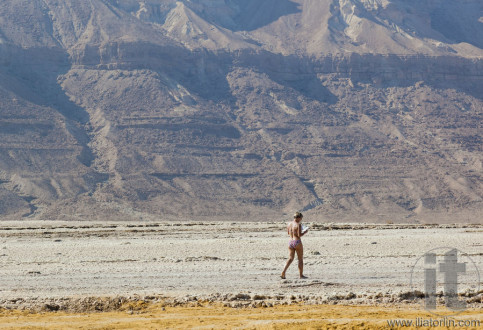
{"points": [[61, 275]]}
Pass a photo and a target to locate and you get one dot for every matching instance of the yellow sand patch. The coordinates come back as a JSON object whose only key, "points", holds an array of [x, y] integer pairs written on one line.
{"points": [[215, 316]]}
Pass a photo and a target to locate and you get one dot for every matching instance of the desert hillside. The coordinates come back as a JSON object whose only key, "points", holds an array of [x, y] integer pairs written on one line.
{"points": [[346, 110]]}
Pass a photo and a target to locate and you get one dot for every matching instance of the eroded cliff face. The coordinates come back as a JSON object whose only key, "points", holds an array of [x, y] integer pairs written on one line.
{"points": [[227, 110]]}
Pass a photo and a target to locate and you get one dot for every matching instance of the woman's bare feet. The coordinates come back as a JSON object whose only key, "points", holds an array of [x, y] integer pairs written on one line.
{"points": [[282, 276], [303, 277]]}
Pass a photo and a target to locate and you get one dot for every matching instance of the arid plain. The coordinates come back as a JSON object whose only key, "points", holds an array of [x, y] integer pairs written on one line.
{"points": [[221, 274]]}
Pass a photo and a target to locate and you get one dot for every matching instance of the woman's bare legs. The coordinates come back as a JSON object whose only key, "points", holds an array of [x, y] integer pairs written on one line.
{"points": [[300, 257], [289, 261]]}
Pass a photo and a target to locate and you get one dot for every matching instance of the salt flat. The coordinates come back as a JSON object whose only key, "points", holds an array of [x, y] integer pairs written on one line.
{"points": [[50, 260]]}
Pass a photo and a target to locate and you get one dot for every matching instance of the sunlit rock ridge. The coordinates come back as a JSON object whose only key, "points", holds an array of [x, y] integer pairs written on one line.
{"points": [[346, 110]]}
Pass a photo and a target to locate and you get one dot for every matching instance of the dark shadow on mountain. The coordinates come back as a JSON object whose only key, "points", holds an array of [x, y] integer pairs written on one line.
{"points": [[455, 21], [306, 84], [292, 72], [445, 21], [295, 72], [249, 15], [32, 75], [204, 73], [440, 72], [200, 71]]}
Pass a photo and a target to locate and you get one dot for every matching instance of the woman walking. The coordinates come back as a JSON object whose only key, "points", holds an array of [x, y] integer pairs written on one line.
{"points": [[294, 230]]}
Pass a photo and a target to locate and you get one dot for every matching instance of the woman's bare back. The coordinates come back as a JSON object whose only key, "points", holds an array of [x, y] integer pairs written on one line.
{"points": [[293, 230]]}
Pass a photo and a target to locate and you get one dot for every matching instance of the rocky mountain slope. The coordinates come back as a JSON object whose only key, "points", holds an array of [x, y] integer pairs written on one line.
{"points": [[348, 110]]}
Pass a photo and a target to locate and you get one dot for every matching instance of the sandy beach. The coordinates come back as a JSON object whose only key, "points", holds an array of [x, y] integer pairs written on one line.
{"points": [[212, 316], [78, 267]]}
